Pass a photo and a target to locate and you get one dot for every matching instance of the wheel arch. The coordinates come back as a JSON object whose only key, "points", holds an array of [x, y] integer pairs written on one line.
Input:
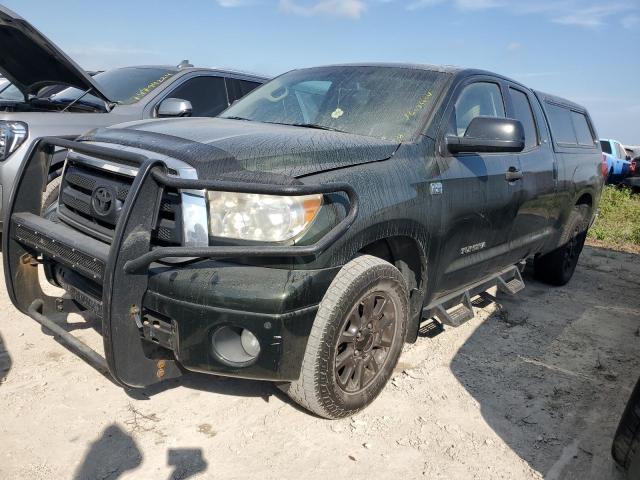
{"points": [[408, 255]]}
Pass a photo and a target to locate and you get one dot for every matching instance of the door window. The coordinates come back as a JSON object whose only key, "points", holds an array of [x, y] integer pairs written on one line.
{"points": [[606, 146], [583, 132], [475, 100], [239, 88], [561, 124], [208, 95], [523, 112]]}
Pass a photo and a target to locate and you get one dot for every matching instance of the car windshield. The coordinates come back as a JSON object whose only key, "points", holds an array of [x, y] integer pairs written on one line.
{"points": [[123, 85], [383, 102]]}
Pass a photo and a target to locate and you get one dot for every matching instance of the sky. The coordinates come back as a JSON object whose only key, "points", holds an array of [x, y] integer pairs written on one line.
{"points": [[584, 50]]}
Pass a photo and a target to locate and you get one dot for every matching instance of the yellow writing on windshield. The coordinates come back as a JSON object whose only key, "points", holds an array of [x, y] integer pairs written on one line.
{"points": [[424, 99], [144, 91]]}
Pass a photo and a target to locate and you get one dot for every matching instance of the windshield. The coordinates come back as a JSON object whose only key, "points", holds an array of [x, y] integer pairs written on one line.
{"points": [[383, 102], [10, 92], [123, 85]]}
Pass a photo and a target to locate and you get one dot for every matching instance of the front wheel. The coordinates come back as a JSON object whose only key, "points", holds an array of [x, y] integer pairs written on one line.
{"points": [[356, 339], [50, 200]]}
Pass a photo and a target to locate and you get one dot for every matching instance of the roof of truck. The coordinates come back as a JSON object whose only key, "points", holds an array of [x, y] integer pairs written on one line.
{"points": [[556, 99], [175, 69]]}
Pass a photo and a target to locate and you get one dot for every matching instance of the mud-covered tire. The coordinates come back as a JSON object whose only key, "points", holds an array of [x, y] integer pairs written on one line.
{"points": [[322, 387], [626, 442], [557, 267], [50, 199]]}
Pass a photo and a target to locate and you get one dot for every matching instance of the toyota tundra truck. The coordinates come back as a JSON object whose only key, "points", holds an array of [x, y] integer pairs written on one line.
{"points": [[306, 234]]}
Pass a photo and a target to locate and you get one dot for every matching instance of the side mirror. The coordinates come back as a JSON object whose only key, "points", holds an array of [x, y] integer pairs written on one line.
{"points": [[489, 135], [175, 107]]}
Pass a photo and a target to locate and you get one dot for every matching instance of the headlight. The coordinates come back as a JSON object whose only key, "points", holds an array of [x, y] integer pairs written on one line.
{"points": [[12, 135], [263, 218]]}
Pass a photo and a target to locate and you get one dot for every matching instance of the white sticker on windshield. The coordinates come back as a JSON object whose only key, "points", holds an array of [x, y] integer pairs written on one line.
{"points": [[337, 113]]}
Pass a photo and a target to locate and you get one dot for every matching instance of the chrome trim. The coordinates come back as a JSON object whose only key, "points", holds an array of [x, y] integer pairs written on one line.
{"points": [[195, 222], [101, 164], [195, 219]]}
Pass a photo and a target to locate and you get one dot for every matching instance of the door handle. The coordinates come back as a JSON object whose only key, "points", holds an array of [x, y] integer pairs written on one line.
{"points": [[513, 174]]}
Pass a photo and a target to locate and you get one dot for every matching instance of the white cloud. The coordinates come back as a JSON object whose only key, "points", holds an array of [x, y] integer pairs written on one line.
{"points": [[583, 13], [513, 46], [338, 8], [593, 16]]}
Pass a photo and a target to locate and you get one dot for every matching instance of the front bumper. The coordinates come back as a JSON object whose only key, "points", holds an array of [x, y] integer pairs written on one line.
{"points": [[158, 317]]}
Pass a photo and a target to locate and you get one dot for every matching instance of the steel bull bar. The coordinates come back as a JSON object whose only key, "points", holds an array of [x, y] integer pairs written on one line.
{"points": [[122, 267]]}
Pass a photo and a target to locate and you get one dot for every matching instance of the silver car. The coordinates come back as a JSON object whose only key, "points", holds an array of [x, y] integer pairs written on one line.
{"points": [[31, 62]]}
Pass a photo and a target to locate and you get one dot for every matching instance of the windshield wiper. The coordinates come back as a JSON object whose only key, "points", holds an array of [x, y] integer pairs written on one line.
{"points": [[317, 126], [238, 118], [310, 125]]}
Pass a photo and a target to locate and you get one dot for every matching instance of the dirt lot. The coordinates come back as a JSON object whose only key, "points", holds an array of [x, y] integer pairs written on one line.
{"points": [[532, 388]]}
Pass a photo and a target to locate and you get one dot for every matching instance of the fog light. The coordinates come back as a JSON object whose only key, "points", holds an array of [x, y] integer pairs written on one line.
{"points": [[249, 343], [235, 346]]}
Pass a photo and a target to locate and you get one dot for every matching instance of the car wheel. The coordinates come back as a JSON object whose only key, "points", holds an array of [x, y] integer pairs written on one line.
{"points": [[50, 200], [626, 443], [558, 266], [355, 341]]}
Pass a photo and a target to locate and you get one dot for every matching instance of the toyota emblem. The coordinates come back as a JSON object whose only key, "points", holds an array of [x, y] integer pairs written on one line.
{"points": [[103, 201]]}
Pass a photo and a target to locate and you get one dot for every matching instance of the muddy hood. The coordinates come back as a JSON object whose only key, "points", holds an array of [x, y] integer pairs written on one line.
{"points": [[31, 61], [214, 145]]}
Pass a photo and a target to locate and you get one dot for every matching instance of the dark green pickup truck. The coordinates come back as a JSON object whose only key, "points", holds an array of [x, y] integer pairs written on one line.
{"points": [[304, 235]]}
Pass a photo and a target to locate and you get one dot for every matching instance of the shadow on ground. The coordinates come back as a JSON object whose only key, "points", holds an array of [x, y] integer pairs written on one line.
{"points": [[5, 361], [553, 367], [116, 452]]}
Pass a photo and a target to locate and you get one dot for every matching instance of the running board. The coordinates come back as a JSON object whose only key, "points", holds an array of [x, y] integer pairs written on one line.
{"points": [[456, 308]]}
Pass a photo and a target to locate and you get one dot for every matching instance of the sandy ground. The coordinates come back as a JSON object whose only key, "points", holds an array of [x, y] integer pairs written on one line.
{"points": [[532, 388]]}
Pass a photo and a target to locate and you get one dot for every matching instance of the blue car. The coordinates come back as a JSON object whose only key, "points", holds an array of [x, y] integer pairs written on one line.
{"points": [[618, 162]]}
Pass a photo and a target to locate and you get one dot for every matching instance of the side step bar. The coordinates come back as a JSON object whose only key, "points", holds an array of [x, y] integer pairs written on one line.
{"points": [[456, 308]]}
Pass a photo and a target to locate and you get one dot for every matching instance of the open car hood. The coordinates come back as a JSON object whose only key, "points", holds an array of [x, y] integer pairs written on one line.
{"points": [[31, 61]]}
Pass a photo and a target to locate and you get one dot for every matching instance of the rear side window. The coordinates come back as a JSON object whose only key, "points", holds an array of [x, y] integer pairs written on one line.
{"points": [[606, 146], [581, 126], [475, 100], [561, 124], [523, 112], [239, 88]]}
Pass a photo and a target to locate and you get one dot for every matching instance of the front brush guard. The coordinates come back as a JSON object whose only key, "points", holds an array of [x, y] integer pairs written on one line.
{"points": [[122, 267]]}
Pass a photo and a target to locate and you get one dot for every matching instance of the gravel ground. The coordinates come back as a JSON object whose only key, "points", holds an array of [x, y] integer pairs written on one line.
{"points": [[531, 388]]}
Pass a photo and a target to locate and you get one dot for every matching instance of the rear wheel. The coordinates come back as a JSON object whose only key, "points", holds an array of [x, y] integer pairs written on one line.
{"points": [[558, 266], [355, 341]]}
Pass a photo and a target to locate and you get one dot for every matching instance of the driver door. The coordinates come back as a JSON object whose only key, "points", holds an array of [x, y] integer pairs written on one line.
{"points": [[479, 202]]}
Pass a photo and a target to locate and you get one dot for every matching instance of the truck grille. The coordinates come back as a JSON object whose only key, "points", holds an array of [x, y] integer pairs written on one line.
{"points": [[91, 200]]}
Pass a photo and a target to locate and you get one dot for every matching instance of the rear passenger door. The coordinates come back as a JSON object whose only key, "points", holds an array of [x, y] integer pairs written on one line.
{"points": [[479, 202], [577, 153], [538, 205]]}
